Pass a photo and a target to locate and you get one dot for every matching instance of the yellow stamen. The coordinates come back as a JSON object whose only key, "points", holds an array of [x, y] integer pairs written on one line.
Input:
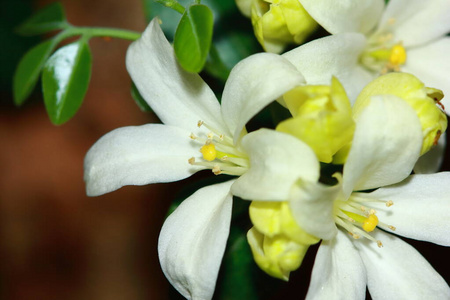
{"points": [[370, 223], [398, 55], [209, 152]]}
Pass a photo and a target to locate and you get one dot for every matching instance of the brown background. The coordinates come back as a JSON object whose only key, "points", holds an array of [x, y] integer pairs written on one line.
{"points": [[56, 243]]}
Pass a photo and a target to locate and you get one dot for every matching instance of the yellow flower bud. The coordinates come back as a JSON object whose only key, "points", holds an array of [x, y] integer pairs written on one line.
{"points": [[275, 218], [422, 99], [277, 256], [277, 23], [322, 118]]}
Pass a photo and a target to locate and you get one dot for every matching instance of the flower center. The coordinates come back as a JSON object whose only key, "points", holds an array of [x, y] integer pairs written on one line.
{"points": [[355, 216], [219, 153], [383, 54]]}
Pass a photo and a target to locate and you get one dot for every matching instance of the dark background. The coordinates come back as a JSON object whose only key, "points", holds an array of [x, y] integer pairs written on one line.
{"points": [[55, 242]]}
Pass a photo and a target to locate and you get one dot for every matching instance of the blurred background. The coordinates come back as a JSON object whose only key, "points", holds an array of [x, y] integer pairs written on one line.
{"points": [[55, 242]]}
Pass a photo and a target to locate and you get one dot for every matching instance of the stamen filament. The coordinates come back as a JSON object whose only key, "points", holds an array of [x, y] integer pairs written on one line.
{"points": [[237, 161], [358, 197], [222, 137]]}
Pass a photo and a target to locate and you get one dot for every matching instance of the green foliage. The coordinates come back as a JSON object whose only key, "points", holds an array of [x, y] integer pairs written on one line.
{"points": [[233, 34], [193, 37], [65, 80], [28, 70], [140, 101], [50, 18]]}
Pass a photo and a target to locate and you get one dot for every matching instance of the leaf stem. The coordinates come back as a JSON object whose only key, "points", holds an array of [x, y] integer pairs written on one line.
{"points": [[89, 32], [173, 4]]}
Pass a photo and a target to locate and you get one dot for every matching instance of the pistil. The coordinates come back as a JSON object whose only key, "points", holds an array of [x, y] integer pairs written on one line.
{"points": [[219, 153], [359, 219]]}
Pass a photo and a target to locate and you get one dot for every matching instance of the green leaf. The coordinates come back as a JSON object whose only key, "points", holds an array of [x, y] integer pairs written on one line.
{"points": [[193, 37], [65, 80], [49, 18], [140, 101], [28, 70]]}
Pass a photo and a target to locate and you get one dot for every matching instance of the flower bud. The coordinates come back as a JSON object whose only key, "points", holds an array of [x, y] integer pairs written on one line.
{"points": [[275, 218], [422, 99], [322, 118], [277, 256], [277, 23]]}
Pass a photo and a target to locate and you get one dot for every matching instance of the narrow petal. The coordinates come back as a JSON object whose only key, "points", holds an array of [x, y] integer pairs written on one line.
{"points": [[345, 15], [254, 83], [416, 22], [386, 145], [398, 271], [421, 207], [335, 55], [277, 161], [338, 271], [431, 161], [431, 65], [138, 155], [178, 98], [312, 206], [193, 239]]}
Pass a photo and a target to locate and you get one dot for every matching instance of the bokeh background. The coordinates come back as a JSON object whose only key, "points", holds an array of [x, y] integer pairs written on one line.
{"points": [[57, 243]]}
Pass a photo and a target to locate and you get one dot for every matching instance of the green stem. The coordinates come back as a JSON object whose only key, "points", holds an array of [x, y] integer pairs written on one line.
{"points": [[103, 32], [173, 4]]}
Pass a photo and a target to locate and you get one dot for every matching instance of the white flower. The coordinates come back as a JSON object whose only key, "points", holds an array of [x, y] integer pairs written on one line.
{"points": [[414, 30], [385, 147], [193, 238]]}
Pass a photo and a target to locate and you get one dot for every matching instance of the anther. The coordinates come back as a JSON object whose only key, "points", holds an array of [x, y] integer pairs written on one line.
{"points": [[389, 203], [191, 160], [379, 244], [392, 227], [199, 123], [216, 170], [192, 136], [210, 135]]}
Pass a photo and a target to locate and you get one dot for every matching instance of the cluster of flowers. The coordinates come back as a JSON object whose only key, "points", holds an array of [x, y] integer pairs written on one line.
{"points": [[373, 129]]}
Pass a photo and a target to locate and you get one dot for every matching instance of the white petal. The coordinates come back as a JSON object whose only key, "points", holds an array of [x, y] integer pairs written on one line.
{"points": [[386, 145], [277, 161], [312, 206], [430, 63], [338, 271], [431, 161], [335, 55], [398, 271], [193, 239], [416, 22], [421, 207], [138, 155], [345, 15], [178, 98], [254, 83]]}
